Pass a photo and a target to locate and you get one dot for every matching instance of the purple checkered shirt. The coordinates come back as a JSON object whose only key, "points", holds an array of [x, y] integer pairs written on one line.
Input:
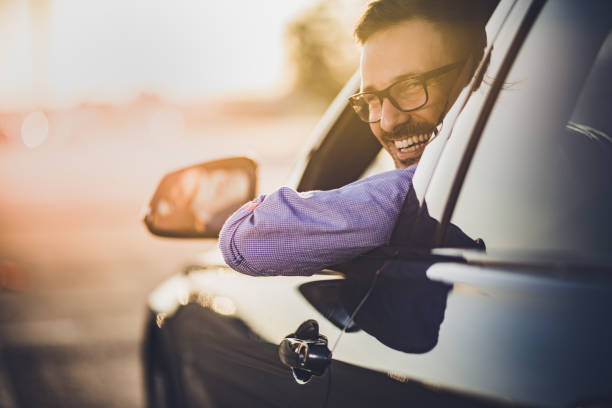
{"points": [[291, 233]]}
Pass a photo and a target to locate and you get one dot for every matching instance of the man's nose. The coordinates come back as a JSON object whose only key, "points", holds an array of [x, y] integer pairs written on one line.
{"points": [[390, 116]]}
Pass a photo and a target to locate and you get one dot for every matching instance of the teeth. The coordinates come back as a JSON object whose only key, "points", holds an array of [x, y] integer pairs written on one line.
{"points": [[400, 144], [411, 143]]}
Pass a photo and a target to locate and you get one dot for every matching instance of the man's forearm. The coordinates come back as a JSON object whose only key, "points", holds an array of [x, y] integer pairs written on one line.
{"points": [[290, 233]]}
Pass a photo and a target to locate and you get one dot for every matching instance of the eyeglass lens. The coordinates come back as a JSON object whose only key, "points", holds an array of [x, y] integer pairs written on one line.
{"points": [[405, 95]]}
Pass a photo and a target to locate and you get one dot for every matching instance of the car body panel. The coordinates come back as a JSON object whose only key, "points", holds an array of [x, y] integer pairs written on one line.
{"points": [[507, 334], [224, 329], [494, 343]]}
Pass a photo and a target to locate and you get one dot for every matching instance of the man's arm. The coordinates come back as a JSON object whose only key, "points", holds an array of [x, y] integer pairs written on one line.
{"points": [[290, 233]]}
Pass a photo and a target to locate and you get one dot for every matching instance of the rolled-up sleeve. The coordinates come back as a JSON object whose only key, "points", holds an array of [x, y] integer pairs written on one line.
{"points": [[291, 233]]}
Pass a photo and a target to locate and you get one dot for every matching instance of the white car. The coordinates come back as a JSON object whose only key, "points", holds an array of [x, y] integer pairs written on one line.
{"points": [[524, 164]]}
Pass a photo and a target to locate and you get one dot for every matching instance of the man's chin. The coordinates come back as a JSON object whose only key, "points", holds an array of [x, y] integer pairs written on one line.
{"points": [[404, 159]]}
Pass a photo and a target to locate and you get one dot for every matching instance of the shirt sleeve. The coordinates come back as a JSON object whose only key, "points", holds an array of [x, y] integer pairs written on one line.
{"points": [[291, 233]]}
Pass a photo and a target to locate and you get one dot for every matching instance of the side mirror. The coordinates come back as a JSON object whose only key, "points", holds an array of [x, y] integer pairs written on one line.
{"points": [[194, 202]]}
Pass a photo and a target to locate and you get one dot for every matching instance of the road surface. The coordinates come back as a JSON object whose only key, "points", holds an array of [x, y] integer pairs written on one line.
{"points": [[82, 263]]}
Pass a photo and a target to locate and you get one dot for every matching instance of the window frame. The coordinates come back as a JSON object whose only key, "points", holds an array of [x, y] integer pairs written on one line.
{"points": [[508, 61]]}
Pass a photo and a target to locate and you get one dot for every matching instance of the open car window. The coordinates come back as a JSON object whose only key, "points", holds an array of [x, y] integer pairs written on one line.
{"points": [[381, 163]]}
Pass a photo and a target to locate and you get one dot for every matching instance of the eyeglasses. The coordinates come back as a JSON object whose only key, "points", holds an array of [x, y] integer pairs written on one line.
{"points": [[406, 95]]}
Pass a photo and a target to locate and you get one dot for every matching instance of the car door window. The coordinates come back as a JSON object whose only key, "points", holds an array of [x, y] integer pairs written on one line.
{"points": [[342, 156], [382, 162], [539, 181]]}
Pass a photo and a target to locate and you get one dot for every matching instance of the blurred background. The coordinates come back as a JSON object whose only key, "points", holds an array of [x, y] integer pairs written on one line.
{"points": [[97, 101]]}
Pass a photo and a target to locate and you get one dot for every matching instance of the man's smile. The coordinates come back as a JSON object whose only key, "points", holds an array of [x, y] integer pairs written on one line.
{"points": [[412, 143], [408, 141]]}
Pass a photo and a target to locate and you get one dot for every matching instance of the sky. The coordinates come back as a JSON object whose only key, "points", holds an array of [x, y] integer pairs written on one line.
{"points": [[58, 53]]}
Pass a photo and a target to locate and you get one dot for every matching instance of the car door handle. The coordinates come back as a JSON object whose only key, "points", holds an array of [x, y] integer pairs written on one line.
{"points": [[305, 352]]}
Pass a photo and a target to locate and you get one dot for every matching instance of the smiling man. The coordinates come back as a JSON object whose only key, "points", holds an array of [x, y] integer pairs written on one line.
{"points": [[416, 58]]}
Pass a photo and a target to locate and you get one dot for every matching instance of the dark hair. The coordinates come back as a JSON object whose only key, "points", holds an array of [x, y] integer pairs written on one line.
{"points": [[467, 16]]}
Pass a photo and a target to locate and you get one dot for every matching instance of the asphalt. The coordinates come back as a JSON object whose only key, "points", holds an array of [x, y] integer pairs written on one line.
{"points": [[70, 336]]}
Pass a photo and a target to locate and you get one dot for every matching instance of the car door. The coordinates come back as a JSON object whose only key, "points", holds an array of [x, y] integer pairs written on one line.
{"points": [[522, 316]]}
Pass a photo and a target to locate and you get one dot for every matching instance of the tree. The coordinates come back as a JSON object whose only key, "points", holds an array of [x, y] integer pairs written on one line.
{"points": [[322, 52]]}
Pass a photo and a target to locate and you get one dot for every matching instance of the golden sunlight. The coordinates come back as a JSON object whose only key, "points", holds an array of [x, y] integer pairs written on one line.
{"points": [[63, 52]]}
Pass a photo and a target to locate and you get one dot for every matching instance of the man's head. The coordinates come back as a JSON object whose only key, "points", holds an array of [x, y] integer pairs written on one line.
{"points": [[417, 56]]}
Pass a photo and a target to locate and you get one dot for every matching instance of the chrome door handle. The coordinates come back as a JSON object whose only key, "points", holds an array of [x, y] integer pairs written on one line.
{"points": [[305, 352]]}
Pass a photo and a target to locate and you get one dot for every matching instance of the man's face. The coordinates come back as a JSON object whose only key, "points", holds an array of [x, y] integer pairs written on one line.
{"points": [[410, 47]]}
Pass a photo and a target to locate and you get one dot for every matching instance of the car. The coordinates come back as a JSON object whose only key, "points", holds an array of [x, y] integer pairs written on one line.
{"points": [[523, 317]]}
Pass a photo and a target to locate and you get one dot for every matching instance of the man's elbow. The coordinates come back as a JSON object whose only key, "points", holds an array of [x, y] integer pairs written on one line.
{"points": [[234, 248], [227, 246]]}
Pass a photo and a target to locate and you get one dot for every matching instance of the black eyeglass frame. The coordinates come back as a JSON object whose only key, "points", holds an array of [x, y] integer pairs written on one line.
{"points": [[385, 93]]}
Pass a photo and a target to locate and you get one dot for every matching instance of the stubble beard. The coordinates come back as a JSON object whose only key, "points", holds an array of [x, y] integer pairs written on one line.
{"points": [[407, 142]]}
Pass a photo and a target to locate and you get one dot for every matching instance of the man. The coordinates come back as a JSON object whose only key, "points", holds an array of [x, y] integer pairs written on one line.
{"points": [[419, 54], [416, 58]]}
